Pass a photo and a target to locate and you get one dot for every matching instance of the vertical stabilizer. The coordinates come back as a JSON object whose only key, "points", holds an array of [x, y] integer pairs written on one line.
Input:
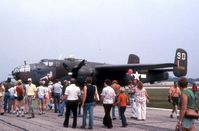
{"points": [[181, 63], [133, 59]]}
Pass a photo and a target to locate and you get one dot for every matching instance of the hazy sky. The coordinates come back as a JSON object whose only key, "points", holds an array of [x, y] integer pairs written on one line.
{"points": [[98, 30]]}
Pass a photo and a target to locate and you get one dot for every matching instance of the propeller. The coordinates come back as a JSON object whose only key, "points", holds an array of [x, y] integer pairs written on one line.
{"points": [[66, 67], [74, 71], [77, 68]]}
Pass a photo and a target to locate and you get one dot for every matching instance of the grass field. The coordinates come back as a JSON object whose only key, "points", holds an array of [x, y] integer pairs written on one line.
{"points": [[158, 98]]}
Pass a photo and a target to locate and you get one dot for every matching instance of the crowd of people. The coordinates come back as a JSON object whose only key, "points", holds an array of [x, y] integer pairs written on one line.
{"points": [[183, 98], [67, 96]]}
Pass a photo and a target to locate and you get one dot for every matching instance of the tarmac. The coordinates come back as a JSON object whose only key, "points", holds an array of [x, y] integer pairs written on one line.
{"points": [[157, 120]]}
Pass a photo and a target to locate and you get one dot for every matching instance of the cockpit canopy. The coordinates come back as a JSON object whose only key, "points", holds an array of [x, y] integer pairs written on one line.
{"points": [[47, 62], [23, 68]]}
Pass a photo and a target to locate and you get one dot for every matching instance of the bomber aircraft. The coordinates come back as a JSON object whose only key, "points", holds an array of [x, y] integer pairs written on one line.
{"points": [[52, 69]]}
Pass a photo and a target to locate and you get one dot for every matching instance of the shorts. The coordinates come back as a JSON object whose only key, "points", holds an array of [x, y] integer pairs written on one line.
{"points": [[175, 100], [187, 123], [41, 97], [19, 98]]}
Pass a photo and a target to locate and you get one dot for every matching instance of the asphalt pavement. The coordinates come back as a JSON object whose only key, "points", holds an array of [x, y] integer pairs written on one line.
{"points": [[157, 120]]}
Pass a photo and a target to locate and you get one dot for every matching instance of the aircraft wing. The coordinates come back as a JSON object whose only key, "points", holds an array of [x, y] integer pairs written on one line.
{"points": [[124, 68]]}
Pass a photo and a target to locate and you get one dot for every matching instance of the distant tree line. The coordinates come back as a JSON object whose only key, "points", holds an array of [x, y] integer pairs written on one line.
{"points": [[190, 80]]}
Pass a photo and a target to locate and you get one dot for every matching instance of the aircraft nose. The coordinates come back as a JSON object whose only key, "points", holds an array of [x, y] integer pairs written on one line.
{"points": [[15, 73], [22, 72]]}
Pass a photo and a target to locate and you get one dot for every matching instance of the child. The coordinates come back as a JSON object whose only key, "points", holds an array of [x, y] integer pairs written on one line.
{"points": [[122, 101]]}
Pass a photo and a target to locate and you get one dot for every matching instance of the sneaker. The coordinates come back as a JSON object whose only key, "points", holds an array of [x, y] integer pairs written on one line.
{"points": [[132, 117], [66, 126], [125, 125], [29, 117], [177, 116], [17, 114], [171, 116], [82, 127], [60, 115], [110, 127]]}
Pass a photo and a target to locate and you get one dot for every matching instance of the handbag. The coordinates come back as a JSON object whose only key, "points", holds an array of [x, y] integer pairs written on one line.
{"points": [[192, 114], [169, 99]]}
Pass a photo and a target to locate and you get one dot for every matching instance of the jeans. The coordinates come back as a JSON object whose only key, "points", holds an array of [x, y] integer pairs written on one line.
{"points": [[56, 101], [7, 106], [88, 107], [122, 110], [61, 107], [113, 111]]}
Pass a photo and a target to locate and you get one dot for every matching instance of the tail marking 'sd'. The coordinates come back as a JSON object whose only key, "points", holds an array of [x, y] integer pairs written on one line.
{"points": [[181, 63]]}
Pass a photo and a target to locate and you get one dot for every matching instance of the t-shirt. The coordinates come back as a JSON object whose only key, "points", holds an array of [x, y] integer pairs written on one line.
{"points": [[191, 98], [41, 91], [141, 95], [31, 89], [108, 94], [57, 88], [122, 98], [12, 91], [194, 88], [73, 92]]}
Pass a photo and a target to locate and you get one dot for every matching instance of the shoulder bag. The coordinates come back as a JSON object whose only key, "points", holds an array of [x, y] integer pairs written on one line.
{"points": [[192, 114]]}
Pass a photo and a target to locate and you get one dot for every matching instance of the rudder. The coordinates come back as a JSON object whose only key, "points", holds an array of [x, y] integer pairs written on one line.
{"points": [[133, 59], [181, 63]]}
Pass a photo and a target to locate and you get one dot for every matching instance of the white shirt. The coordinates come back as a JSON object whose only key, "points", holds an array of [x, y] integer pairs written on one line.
{"points": [[50, 87], [57, 87], [12, 91], [46, 90], [72, 92], [140, 95], [41, 91], [108, 95]]}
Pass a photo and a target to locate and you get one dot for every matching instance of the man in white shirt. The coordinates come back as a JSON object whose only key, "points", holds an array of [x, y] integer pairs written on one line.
{"points": [[108, 97], [56, 89], [72, 93]]}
